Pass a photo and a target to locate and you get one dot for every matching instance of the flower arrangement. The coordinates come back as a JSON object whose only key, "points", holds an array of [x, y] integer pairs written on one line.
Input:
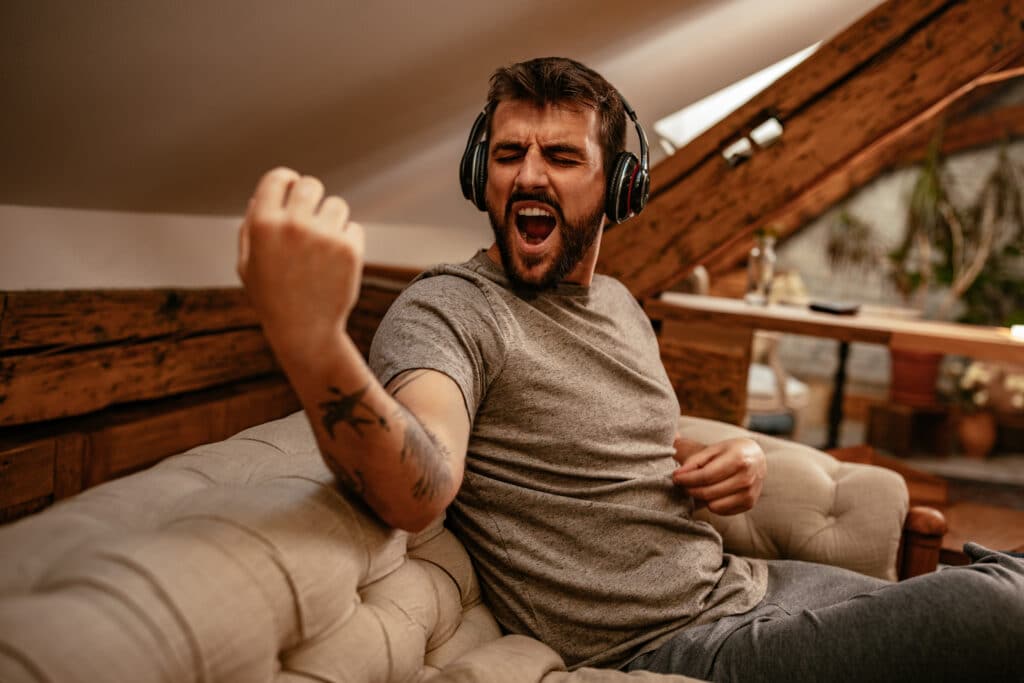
{"points": [[975, 385], [1013, 385], [989, 398]]}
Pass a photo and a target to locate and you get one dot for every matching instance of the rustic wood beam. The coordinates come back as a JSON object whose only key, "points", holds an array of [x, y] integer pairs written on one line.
{"points": [[843, 55], [42, 464], [921, 52], [44, 387], [903, 147], [196, 359], [70, 353], [78, 318]]}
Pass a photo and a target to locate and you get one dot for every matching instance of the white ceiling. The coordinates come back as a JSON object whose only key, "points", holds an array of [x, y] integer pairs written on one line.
{"points": [[177, 107]]}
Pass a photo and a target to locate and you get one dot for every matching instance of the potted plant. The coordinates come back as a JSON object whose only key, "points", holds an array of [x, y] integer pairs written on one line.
{"points": [[954, 262], [971, 394]]}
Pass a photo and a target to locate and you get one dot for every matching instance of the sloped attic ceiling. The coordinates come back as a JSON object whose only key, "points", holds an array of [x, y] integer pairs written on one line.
{"points": [[178, 107]]}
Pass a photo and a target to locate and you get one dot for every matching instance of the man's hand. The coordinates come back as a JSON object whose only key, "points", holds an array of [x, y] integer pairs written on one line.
{"points": [[300, 260], [726, 476]]}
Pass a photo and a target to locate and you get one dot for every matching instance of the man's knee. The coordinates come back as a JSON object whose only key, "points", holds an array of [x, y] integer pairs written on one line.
{"points": [[992, 589]]}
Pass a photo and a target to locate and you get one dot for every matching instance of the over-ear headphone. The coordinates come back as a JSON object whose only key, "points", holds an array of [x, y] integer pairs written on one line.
{"points": [[629, 179]]}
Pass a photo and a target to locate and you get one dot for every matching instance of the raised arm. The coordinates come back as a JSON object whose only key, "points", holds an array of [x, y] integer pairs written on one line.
{"points": [[301, 259]]}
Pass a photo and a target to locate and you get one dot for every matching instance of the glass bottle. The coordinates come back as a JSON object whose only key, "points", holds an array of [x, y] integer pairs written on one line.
{"points": [[761, 269]]}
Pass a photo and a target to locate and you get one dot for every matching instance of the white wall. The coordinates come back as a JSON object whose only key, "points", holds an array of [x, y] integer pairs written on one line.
{"points": [[152, 106], [45, 248]]}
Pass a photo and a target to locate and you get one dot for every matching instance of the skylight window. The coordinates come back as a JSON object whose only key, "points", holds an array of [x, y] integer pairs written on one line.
{"points": [[687, 123]]}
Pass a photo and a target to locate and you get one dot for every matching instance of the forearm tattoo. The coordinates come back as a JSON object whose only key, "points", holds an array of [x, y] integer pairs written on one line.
{"points": [[343, 409], [354, 482], [421, 450], [427, 455]]}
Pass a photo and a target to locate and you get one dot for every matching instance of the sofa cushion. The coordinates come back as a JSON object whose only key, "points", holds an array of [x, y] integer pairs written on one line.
{"points": [[813, 507], [241, 561]]}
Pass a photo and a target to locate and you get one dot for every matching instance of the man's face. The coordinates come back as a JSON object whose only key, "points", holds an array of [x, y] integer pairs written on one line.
{"points": [[545, 190]]}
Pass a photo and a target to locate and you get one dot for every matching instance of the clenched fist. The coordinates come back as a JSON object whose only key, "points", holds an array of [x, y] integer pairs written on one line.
{"points": [[300, 259]]}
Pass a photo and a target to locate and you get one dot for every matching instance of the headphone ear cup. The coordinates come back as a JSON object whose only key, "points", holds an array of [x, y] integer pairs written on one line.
{"points": [[617, 195], [466, 175], [640, 192], [480, 175]]}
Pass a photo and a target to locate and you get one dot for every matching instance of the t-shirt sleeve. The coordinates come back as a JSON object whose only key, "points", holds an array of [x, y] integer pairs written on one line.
{"points": [[443, 323]]}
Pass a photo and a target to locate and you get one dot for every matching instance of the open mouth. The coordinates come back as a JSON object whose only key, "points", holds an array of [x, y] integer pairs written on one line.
{"points": [[535, 224]]}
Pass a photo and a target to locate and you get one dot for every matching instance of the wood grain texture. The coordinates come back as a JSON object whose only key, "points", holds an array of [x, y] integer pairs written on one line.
{"points": [[977, 341], [921, 542], [85, 317], [45, 387], [994, 527], [71, 353], [26, 473], [708, 370], [916, 65], [844, 54], [41, 464], [97, 384], [892, 151], [139, 438], [71, 457]]}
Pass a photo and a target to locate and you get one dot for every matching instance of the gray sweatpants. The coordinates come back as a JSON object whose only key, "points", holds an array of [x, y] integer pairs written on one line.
{"points": [[819, 623]]}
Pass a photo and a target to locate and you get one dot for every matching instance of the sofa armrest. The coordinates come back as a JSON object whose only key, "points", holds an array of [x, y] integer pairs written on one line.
{"points": [[813, 507], [922, 541]]}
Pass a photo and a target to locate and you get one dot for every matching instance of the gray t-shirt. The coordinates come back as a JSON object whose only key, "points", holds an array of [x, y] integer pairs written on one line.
{"points": [[567, 507]]}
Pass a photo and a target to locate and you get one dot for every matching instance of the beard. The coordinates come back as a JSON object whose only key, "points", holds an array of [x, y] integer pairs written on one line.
{"points": [[576, 238]]}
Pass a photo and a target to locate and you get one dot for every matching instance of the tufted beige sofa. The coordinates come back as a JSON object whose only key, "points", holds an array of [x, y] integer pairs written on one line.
{"points": [[239, 561]]}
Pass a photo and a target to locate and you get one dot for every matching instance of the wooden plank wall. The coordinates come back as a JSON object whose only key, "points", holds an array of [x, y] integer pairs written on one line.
{"points": [[98, 384]]}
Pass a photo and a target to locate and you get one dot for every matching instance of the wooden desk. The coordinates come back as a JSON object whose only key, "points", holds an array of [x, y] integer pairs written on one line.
{"points": [[686, 317], [983, 343]]}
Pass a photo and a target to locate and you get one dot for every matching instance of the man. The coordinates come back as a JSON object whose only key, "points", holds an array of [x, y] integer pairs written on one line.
{"points": [[527, 392]]}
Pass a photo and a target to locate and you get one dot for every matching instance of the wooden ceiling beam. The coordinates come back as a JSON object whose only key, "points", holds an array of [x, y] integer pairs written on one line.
{"points": [[978, 130], [847, 52], [885, 71]]}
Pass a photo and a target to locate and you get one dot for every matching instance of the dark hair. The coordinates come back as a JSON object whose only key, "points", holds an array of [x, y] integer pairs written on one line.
{"points": [[557, 80]]}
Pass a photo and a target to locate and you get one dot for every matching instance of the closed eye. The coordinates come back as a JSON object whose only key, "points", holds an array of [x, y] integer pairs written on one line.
{"points": [[564, 154], [507, 151]]}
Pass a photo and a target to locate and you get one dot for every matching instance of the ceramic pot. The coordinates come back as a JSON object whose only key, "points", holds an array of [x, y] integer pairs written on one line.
{"points": [[977, 433]]}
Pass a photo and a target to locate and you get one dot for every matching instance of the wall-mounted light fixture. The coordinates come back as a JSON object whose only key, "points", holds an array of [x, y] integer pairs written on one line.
{"points": [[767, 133], [738, 152]]}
